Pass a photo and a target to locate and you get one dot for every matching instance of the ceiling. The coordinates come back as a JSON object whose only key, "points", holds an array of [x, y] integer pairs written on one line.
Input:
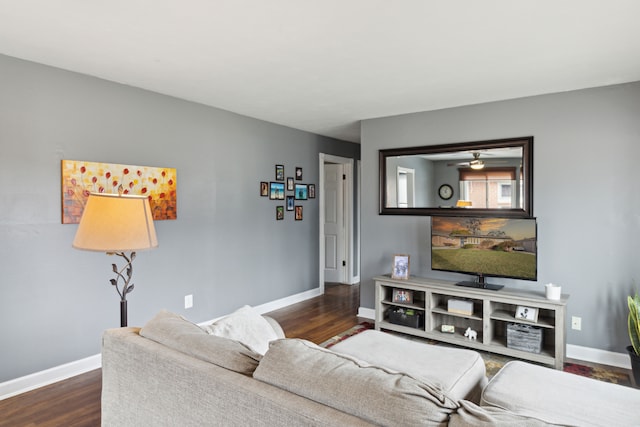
{"points": [[324, 65]]}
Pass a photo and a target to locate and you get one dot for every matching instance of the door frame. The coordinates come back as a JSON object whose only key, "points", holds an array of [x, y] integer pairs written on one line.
{"points": [[350, 257]]}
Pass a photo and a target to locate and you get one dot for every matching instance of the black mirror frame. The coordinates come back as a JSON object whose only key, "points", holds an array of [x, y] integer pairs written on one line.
{"points": [[527, 163]]}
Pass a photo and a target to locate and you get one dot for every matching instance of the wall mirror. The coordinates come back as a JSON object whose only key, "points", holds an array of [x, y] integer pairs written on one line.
{"points": [[471, 178]]}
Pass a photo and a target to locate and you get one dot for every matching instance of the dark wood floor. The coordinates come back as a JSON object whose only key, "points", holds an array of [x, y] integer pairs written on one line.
{"points": [[76, 402]]}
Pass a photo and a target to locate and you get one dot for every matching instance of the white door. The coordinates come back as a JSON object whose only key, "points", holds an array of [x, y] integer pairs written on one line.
{"points": [[334, 236]]}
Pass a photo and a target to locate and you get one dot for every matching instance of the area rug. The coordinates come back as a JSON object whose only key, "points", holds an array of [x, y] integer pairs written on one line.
{"points": [[493, 362]]}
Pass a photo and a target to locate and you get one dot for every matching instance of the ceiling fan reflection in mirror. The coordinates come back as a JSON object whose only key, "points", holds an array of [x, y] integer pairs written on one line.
{"points": [[476, 163]]}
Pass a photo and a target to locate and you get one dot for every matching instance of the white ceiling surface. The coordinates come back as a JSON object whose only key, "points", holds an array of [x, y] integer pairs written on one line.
{"points": [[324, 65]]}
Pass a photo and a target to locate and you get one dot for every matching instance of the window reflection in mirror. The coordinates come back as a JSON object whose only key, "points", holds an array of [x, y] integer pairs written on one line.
{"points": [[486, 177]]}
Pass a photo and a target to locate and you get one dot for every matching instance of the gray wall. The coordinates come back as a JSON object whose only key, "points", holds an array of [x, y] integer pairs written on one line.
{"points": [[588, 209], [225, 248]]}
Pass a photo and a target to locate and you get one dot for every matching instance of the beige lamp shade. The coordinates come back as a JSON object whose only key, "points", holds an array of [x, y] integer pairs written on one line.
{"points": [[116, 223]]}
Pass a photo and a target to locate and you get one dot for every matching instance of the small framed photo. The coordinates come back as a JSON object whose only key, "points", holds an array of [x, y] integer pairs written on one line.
{"points": [[279, 172], [526, 313], [400, 267], [276, 190], [279, 213], [290, 183], [312, 191], [298, 213], [301, 192], [298, 174], [264, 189], [404, 296], [290, 202]]}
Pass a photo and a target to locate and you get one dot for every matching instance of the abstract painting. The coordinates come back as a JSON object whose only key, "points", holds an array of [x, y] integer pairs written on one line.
{"points": [[81, 178]]}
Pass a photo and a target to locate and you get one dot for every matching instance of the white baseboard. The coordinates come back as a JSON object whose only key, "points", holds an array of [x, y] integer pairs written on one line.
{"points": [[602, 357], [367, 313], [49, 376], [58, 373]]}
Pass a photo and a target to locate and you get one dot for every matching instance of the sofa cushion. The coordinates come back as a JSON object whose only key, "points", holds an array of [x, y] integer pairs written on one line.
{"points": [[559, 397], [247, 326], [461, 373], [376, 394], [176, 332]]}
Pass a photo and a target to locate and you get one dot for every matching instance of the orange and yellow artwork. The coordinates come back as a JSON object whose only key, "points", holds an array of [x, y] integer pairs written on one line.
{"points": [[80, 178]]}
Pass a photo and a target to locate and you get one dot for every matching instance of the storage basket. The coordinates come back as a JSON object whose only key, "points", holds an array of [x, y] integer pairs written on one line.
{"points": [[406, 317], [524, 337]]}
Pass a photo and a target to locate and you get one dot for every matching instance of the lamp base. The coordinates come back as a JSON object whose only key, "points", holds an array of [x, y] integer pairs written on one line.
{"points": [[123, 313]]}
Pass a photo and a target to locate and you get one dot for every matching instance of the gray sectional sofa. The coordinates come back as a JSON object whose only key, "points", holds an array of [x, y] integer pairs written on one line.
{"points": [[174, 373]]}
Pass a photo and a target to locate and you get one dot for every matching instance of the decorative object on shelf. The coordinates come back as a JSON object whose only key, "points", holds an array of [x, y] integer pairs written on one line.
{"points": [[471, 334], [634, 335], [298, 213], [290, 202], [279, 172], [449, 329], [264, 189], [552, 291], [526, 313], [81, 178], [312, 191], [445, 192], [290, 183], [276, 190], [404, 296], [301, 192], [400, 269], [460, 306], [115, 224], [298, 174], [279, 213], [524, 337], [464, 204]]}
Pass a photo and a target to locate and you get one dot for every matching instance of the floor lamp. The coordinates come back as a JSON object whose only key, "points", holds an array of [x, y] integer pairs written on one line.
{"points": [[116, 224]]}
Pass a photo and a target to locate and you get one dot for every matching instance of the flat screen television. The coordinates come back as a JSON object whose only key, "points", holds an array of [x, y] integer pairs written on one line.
{"points": [[485, 247]]}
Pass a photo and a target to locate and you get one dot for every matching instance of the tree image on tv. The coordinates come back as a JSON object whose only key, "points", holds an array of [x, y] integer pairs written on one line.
{"points": [[503, 247]]}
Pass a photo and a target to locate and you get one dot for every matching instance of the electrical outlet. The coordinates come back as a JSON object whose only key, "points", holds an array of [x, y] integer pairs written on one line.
{"points": [[576, 323], [188, 301]]}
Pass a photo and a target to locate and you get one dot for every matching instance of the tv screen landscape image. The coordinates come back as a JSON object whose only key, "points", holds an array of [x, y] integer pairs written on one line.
{"points": [[497, 247]]}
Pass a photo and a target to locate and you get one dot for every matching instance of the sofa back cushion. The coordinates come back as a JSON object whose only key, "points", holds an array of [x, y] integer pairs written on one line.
{"points": [[176, 332], [373, 393]]}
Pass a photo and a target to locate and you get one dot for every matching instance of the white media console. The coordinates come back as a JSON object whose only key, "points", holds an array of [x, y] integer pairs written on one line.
{"points": [[493, 317]]}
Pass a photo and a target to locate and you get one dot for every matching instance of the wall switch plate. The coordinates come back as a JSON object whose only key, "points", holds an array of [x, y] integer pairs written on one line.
{"points": [[188, 301], [576, 323]]}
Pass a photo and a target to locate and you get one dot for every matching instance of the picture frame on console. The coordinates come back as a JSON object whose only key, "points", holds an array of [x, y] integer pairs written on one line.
{"points": [[400, 268], [403, 296], [526, 313]]}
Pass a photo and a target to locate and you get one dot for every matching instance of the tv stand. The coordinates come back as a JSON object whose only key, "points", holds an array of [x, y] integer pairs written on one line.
{"points": [[493, 315], [480, 285]]}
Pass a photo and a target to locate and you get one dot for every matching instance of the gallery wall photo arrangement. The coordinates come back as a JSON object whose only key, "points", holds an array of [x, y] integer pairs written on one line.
{"points": [[81, 178], [286, 188]]}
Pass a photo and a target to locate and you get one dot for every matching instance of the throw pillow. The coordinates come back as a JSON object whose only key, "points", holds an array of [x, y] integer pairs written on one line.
{"points": [[247, 326], [178, 333]]}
